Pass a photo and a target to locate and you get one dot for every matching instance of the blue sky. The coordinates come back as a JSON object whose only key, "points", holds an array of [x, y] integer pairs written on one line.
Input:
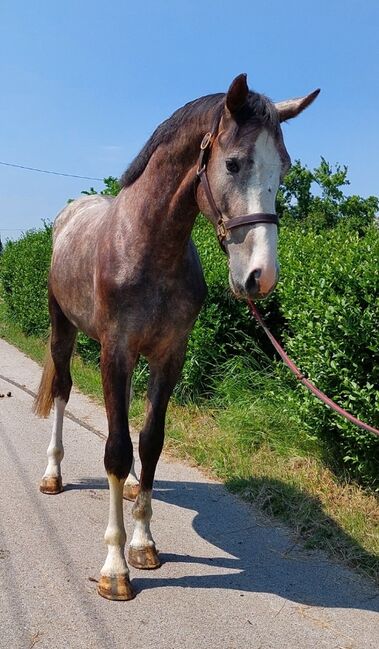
{"points": [[84, 84]]}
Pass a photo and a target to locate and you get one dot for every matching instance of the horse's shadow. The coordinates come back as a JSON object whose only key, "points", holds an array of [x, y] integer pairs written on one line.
{"points": [[261, 557]]}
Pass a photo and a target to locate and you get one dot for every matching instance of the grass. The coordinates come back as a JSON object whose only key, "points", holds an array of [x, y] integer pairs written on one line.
{"points": [[260, 454]]}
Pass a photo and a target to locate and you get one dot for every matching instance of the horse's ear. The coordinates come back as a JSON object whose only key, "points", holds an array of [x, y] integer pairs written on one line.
{"points": [[292, 107], [237, 93]]}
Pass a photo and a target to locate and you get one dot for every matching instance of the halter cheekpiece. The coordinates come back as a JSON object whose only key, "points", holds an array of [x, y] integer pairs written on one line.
{"points": [[223, 225]]}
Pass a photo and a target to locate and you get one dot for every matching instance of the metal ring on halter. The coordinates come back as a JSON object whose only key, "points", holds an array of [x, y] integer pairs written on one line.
{"points": [[205, 142]]}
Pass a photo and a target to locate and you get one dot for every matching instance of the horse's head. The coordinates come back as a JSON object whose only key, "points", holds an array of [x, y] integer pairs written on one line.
{"points": [[244, 164]]}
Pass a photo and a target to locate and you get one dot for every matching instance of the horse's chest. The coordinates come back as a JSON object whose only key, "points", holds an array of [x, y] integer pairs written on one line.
{"points": [[159, 310], [158, 319]]}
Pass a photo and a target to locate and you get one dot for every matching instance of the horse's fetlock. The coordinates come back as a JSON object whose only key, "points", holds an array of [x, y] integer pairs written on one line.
{"points": [[142, 512], [55, 453], [115, 536], [142, 509]]}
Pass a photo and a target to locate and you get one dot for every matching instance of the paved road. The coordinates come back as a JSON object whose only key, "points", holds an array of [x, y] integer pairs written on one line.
{"points": [[229, 579]]}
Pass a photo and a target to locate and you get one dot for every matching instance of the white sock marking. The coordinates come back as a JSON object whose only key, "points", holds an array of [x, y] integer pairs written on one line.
{"points": [[55, 450], [142, 513], [115, 536]]}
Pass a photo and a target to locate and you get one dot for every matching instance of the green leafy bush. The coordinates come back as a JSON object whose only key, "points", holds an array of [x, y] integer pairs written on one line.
{"points": [[24, 266], [328, 296], [88, 349]]}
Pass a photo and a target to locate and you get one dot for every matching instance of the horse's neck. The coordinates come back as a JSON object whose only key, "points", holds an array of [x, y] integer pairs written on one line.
{"points": [[162, 202]]}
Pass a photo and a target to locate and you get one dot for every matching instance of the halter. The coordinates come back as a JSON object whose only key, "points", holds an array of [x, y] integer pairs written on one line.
{"points": [[224, 225]]}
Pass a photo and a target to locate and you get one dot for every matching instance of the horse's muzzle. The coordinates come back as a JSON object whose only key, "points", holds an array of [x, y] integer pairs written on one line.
{"points": [[253, 288]]}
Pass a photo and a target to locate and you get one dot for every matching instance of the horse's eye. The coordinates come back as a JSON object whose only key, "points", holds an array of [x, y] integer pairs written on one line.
{"points": [[232, 165]]}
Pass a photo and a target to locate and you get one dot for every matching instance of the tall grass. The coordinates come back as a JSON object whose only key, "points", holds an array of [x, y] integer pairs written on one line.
{"points": [[250, 398]]}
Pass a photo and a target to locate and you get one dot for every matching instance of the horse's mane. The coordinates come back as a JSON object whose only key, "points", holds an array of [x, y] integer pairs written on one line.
{"points": [[258, 107]]}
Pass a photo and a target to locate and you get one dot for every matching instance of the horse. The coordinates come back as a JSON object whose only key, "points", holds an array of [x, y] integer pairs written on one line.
{"points": [[125, 271]]}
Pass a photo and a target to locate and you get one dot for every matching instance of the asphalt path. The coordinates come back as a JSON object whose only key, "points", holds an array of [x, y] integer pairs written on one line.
{"points": [[230, 578]]}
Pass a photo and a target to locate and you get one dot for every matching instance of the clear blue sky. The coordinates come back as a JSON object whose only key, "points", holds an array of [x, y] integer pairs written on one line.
{"points": [[83, 84]]}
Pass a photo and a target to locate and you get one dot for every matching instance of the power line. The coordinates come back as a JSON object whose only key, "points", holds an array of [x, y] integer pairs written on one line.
{"points": [[44, 171]]}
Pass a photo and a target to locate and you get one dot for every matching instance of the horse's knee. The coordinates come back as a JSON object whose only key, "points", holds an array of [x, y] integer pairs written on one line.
{"points": [[118, 456]]}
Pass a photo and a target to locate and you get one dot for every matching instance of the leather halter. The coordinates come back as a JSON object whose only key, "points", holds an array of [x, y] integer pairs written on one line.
{"points": [[223, 225]]}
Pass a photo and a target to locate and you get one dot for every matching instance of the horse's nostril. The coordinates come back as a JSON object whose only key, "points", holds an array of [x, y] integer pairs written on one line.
{"points": [[252, 282]]}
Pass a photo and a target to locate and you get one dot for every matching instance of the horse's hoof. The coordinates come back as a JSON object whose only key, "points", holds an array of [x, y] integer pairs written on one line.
{"points": [[144, 558], [131, 491], [51, 485], [117, 588]]}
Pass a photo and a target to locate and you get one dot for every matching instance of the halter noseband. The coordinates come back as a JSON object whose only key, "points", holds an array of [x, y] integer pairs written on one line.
{"points": [[224, 225]]}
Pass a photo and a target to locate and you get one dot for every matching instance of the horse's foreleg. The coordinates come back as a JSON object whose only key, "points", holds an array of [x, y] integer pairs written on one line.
{"points": [[163, 377], [116, 372]]}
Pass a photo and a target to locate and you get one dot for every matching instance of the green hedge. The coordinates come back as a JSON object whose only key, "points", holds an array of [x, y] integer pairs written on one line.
{"points": [[24, 266], [328, 296]]}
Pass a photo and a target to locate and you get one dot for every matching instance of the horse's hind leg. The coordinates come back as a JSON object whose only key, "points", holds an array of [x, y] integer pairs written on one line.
{"points": [[164, 374], [62, 341], [131, 486]]}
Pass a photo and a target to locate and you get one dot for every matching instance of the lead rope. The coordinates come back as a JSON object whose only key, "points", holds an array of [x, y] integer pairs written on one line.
{"points": [[308, 384]]}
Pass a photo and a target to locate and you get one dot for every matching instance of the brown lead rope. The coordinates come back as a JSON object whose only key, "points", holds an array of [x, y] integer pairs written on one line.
{"points": [[320, 395]]}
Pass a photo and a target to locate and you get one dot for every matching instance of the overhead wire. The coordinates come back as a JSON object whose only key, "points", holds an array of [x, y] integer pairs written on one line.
{"points": [[46, 171], [42, 171]]}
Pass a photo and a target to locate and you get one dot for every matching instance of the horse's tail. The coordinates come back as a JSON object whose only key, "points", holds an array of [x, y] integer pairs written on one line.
{"points": [[44, 399]]}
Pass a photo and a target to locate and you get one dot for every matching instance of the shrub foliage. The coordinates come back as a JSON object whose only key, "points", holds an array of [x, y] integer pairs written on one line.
{"points": [[24, 266], [329, 299]]}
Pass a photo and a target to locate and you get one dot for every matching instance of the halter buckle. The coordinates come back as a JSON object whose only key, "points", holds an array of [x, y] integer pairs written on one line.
{"points": [[206, 141], [221, 230]]}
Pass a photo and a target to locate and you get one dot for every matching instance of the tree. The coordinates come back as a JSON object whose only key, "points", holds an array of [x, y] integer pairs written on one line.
{"points": [[112, 188], [316, 198]]}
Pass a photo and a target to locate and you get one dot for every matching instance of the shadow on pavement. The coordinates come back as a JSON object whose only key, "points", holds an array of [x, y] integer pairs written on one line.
{"points": [[87, 483], [264, 557]]}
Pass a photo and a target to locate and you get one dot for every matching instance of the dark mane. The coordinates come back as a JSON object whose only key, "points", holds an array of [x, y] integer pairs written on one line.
{"points": [[165, 131], [258, 108]]}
